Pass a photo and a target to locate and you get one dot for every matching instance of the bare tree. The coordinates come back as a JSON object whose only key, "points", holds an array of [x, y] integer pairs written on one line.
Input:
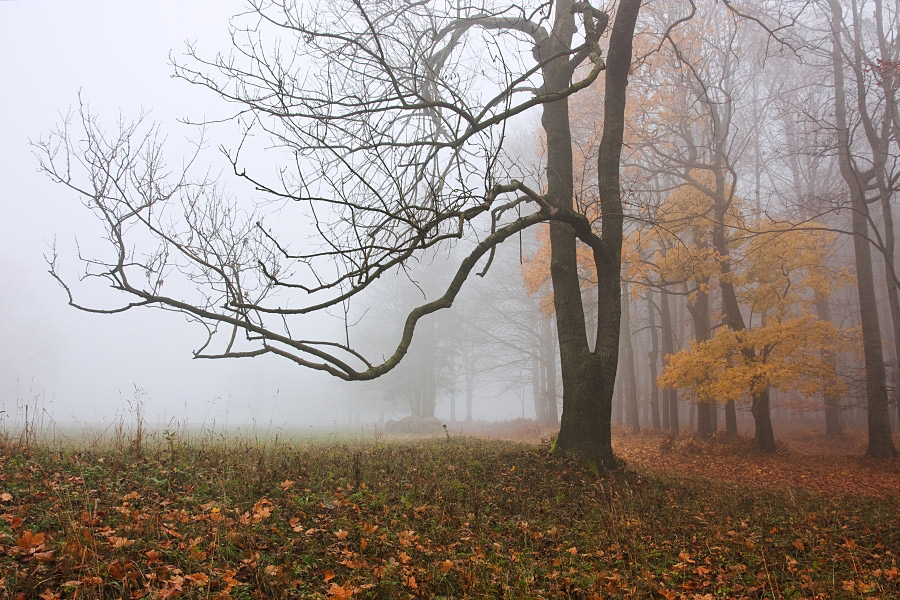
{"points": [[860, 180], [388, 120]]}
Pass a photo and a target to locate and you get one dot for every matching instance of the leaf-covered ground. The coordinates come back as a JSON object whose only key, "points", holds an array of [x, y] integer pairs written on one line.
{"points": [[441, 518], [805, 461]]}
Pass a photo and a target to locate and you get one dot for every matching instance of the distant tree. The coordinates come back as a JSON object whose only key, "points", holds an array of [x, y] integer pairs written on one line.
{"points": [[389, 117], [779, 274]]}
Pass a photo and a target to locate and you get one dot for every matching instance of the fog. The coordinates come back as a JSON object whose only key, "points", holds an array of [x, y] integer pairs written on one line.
{"points": [[86, 368], [491, 357]]}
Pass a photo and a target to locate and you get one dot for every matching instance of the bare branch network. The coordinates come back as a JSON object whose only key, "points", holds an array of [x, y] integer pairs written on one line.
{"points": [[391, 117]]}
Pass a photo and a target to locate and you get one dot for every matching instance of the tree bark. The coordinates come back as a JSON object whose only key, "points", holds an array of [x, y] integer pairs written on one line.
{"points": [[629, 376], [834, 422], [730, 419], [588, 377], [699, 310], [670, 395], [764, 437], [881, 445], [653, 356]]}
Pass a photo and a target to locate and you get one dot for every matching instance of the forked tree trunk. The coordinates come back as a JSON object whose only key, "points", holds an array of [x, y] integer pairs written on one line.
{"points": [[588, 377], [760, 407], [881, 445]]}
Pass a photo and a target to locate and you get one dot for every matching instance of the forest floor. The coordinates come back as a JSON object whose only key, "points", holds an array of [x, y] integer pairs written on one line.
{"points": [[448, 517]]}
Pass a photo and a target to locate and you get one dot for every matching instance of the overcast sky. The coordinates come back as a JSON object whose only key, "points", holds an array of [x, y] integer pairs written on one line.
{"points": [[85, 366]]}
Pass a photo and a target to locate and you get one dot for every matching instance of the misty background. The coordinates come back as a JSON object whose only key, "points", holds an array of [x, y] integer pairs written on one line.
{"points": [[87, 369]]}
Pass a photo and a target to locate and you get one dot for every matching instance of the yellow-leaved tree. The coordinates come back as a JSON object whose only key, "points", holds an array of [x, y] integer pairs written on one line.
{"points": [[779, 273]]}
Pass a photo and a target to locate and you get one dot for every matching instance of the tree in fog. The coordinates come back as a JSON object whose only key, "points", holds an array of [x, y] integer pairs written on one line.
{"points": [[695, 91], [514, 331], [387, 121], [867, 148]]}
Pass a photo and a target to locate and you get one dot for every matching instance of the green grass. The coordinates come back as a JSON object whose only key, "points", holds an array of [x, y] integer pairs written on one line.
{"points": [[444, 518]]}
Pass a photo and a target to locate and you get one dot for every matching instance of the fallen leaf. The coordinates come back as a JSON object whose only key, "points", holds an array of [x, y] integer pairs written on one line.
{"points": [[29, 542], [338, 592], [198, 578]]}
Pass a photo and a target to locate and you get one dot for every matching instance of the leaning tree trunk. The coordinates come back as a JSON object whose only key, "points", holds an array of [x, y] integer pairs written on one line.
{"points": [[588, 377]]}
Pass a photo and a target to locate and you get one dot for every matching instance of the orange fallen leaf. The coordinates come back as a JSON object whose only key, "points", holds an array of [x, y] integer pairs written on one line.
{"points": [[29, 542], [198, 578], [339, 592], [329, 575], [14, 521], [120, 542], [446, 566], [573, 550], [340, 534], [369, 528]]}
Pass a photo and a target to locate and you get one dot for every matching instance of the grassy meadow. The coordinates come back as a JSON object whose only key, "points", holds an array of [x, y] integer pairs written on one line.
{"points": [[446, 517]]}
